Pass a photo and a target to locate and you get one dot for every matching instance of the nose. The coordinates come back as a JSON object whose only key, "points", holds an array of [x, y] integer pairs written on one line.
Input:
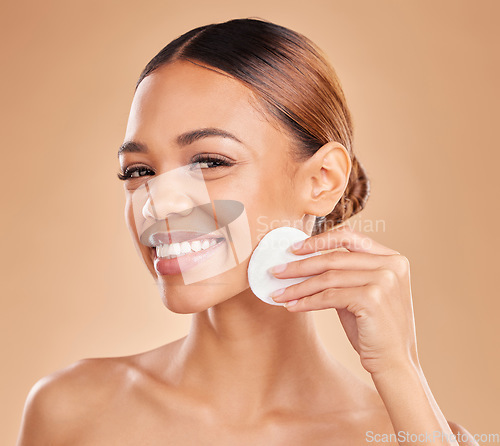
{"points": [[166, 196]]}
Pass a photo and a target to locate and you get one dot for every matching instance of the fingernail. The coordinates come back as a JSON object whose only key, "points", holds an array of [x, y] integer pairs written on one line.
{"points": [[291, 303], [277, 293], [278, 268], [296, 245]]}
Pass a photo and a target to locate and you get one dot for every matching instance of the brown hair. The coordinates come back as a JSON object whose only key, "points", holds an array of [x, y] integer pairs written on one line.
{"points": [[295, 83]]}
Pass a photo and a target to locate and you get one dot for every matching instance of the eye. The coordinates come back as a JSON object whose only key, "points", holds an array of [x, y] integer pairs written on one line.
{"points": [[204, 161], [134, 172], [212, 161]]}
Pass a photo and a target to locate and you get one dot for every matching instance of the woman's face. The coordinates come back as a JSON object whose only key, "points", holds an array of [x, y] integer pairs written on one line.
{"points": [[257, 173]]}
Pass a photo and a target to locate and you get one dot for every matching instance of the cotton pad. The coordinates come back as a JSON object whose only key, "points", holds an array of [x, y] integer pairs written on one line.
{"points": [[272, 251]]}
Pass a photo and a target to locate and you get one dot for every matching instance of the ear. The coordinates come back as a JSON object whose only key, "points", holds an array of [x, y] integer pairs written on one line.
{"points": [[325, 176]]}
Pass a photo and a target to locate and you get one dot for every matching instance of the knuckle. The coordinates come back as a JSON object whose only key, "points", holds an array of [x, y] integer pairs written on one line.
{"points": [[401, 264], [333, 257], [323, 241], [375, 293], [328, 293], [290, 291], [330, 275], [296, 267], [388, 276], [297, 289]]}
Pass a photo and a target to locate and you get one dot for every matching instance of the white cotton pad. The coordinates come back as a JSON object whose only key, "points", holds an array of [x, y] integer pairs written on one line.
{"points": [[272, 251]]}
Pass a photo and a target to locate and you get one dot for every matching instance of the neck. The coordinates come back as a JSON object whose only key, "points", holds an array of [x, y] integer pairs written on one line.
{"points": [[244, 354]]}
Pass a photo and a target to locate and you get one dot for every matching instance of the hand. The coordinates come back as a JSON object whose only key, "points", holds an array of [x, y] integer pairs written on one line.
{"points": [[369, 286]]}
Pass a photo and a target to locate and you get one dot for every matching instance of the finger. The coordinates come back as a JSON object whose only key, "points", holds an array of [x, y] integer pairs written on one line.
{"points": [[339, 298], [329, 279], [331, 260], [341, 238]]}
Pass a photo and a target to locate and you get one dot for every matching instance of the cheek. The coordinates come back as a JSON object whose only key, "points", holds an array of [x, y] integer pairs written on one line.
{"points": [[272, 201], [129, 218], [266, 212]]}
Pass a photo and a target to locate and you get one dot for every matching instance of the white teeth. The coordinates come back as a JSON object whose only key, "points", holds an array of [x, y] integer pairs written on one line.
{"points": [[180, 249], [185, 248]]}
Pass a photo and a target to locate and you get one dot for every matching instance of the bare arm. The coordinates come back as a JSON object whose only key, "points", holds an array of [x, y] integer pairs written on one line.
{"points": [[413, 409]]}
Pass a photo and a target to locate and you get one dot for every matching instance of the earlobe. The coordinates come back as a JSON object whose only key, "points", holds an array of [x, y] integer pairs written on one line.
{"points": [[328, 171]]}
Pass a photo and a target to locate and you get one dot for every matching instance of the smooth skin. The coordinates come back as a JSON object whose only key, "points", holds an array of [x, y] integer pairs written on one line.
{"points": [[247, 373]]}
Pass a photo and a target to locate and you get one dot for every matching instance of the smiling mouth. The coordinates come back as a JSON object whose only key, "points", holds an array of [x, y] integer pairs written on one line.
{"points": [[178, 258], [175, 250]]}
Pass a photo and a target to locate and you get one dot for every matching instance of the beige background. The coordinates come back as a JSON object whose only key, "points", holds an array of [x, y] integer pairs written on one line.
{"points": [[421, 78]]}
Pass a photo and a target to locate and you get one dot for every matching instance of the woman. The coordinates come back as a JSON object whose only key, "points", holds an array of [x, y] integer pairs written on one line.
{"points": [[257, 109]]}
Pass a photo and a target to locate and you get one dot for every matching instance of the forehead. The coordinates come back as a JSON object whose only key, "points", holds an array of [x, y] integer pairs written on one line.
{"points": [[183, 95]]}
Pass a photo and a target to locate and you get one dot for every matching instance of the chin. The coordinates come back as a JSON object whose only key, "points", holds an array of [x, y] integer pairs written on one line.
{"points": [[201, 296], [189, 304], [184, 307]]}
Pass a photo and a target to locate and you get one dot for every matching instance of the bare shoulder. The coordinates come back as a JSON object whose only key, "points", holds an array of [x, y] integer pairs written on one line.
{"points": [[59, 404], [464, 437], [64, 405]]}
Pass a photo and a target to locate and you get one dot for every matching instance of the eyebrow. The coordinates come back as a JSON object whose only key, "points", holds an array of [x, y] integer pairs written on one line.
{"points": [[182, 140]]}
